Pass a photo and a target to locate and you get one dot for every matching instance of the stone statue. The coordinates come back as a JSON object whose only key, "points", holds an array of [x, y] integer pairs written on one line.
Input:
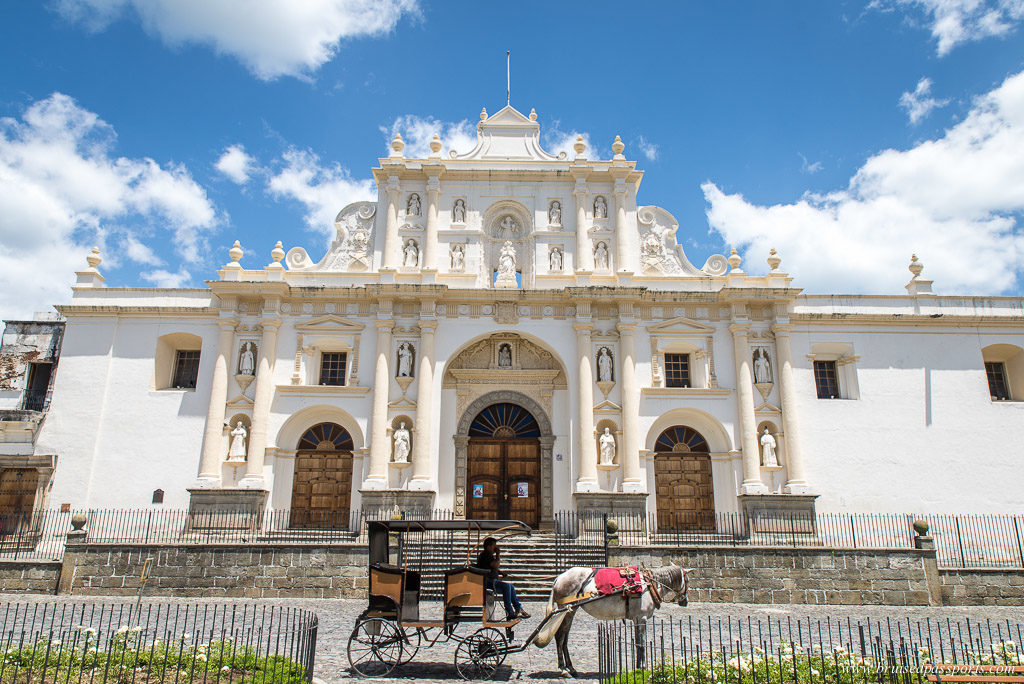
{"points": [[412, 254], [762, 369], [509, 226], [555, 213], [405, 360], [601, 256], [604, 365], [459, 212], [413, 208], [507, 262], [402, 444], [651, 246], [458, 258], [555, 260], [607, 442], [768, 445], [600, 208], [247, 363], [237, 450], [505, 356]]}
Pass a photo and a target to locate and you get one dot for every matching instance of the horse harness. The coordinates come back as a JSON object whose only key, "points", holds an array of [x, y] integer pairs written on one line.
{"points": [[630, 582]]}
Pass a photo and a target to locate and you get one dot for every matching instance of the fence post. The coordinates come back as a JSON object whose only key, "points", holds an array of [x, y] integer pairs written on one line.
{"points": [[72, 549], [926, 544]]}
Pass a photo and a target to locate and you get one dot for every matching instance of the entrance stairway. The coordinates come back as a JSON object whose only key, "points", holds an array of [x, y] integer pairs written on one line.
{"points": [[532, 562]]}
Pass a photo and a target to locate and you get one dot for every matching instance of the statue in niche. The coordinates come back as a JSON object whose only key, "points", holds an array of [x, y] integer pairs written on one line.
{"points": [[600, 208], [459, 211], [762, 367], [412, 254], [555, 213], [247, 359], [458, 258], [509, 227], [507, 262], [405, 360], [601, 256], [607, 442], [237, 450], [400, 453], [555, 260], [604, 365], [768, 457], [413, 207], [505, 356]]}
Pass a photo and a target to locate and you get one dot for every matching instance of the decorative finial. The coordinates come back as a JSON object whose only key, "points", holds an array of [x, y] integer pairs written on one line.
{"points": [[915, 266], [618, 147], [435, 144], [93, 258], [483, 114], [734, 259], [774, 260], [533, 114], [277, 253], [579, 146], [236, 252], [397, 145]]}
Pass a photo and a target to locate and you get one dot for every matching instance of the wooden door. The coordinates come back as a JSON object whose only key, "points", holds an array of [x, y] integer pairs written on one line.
{"points": [[322, 489], [503, 480], [18, 490], [485, 480], [522, 473], [685, 493]]}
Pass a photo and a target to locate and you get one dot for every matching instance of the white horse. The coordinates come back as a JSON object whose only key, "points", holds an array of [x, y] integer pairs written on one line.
{"points": [[670, 581]]}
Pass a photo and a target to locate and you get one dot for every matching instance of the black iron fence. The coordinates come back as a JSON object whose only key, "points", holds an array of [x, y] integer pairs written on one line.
{"points": [[830, 651], [62, 642], [33, 535]]}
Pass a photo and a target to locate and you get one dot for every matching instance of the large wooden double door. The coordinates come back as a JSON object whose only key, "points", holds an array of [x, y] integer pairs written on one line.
{"points": [[504, 480], [683, 483], [18, 490], [322, 485]]}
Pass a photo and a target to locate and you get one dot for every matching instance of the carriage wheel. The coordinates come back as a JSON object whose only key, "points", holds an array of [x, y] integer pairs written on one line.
{"points": [[411, 645], [481, 654], [375, 647]]}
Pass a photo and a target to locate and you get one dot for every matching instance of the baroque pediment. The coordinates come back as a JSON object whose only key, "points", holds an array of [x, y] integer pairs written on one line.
{"points": [[351, 250], [484, 362], [508, 135], [680, 325], [329, 323]]}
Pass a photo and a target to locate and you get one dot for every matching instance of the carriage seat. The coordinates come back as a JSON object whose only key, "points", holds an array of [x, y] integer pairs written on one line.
{"points": [[465, 594], [394, 592]]}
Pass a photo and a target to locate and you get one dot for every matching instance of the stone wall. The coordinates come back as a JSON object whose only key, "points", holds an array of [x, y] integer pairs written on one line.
{"points": [[982, 587], [29, 577], [787, 575], [252, 571]]}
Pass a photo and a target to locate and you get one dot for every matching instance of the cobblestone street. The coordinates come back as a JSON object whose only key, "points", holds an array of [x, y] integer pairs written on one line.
{"points": [[435, 664]]}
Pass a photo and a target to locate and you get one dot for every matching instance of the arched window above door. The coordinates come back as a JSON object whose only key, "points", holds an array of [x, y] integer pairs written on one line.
{"points": [[504, 421], [681, 439], [325, 437]]}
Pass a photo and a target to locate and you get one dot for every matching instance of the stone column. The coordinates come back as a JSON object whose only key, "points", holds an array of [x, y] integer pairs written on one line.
{"points": [[587, 481], [430, 246], [584, 255], [621, 236], [631, 481], [262, 398], [424, 446], [209, 464], [391, 243], [796, 482], [745, 398], [380, 449]]}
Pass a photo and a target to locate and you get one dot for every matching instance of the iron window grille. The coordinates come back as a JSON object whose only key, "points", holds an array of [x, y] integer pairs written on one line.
{"points": [[677, 370], [186, 369], [332, 368], [997, 385], [826, 381]]}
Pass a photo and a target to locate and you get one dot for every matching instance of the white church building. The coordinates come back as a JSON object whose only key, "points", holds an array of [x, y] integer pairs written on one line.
{"points": [[508, 333]]}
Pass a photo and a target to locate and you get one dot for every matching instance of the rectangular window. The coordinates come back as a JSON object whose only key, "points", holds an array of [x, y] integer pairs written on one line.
{"points": [[332, 368], [37, 386], [997, 387], [186, 369], [677, 370], [825, 379]]}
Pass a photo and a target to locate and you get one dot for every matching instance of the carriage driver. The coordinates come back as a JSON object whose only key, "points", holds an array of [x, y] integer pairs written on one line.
{"points": [[490, 560]]}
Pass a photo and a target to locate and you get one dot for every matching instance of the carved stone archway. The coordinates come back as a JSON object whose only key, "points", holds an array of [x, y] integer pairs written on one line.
{"points": [[547, 441]]}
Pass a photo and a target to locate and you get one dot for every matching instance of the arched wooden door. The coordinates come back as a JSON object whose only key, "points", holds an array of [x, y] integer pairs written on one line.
{"points": [[18, 490], [682, 480], [322, 486], [503, 465]]}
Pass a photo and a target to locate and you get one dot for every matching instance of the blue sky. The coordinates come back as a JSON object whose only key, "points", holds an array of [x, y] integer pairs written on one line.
{"points": [[846, 134]]}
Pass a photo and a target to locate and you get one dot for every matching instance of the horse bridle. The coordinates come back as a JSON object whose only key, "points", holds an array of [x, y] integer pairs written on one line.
{"points": [[675, 592]]}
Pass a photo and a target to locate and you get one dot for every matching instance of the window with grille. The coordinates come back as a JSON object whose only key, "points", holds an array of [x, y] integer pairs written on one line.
{"points": [[997, 385], [677, 370], [825, 379], [186, 369], [332, 368]]}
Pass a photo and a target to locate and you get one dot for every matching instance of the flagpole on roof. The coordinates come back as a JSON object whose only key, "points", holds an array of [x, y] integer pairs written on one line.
{"points": [[508, 77]]}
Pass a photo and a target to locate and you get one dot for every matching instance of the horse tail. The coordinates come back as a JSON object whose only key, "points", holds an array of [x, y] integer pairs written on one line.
{"points": [[547, 633]]}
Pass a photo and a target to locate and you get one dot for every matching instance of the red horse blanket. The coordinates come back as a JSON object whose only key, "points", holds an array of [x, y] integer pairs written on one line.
{"points": [[610, 580]]}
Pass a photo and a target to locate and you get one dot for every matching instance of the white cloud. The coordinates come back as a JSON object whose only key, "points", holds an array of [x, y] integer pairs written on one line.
{"points": [[956, 201], [953, 22], [324, 190], [649, 149], [271, 38], [557, 141], [417, 132], [918, 103], [136, 251], [61, 189], [808, 166], [162, 278], [236, 164]]}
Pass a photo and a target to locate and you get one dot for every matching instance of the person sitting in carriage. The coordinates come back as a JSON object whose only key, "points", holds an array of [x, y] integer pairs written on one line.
{"points": [[490, 560]]}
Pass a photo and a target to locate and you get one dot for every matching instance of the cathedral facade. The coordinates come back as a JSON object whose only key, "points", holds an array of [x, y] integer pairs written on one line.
{"points": [[508, 333]]}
